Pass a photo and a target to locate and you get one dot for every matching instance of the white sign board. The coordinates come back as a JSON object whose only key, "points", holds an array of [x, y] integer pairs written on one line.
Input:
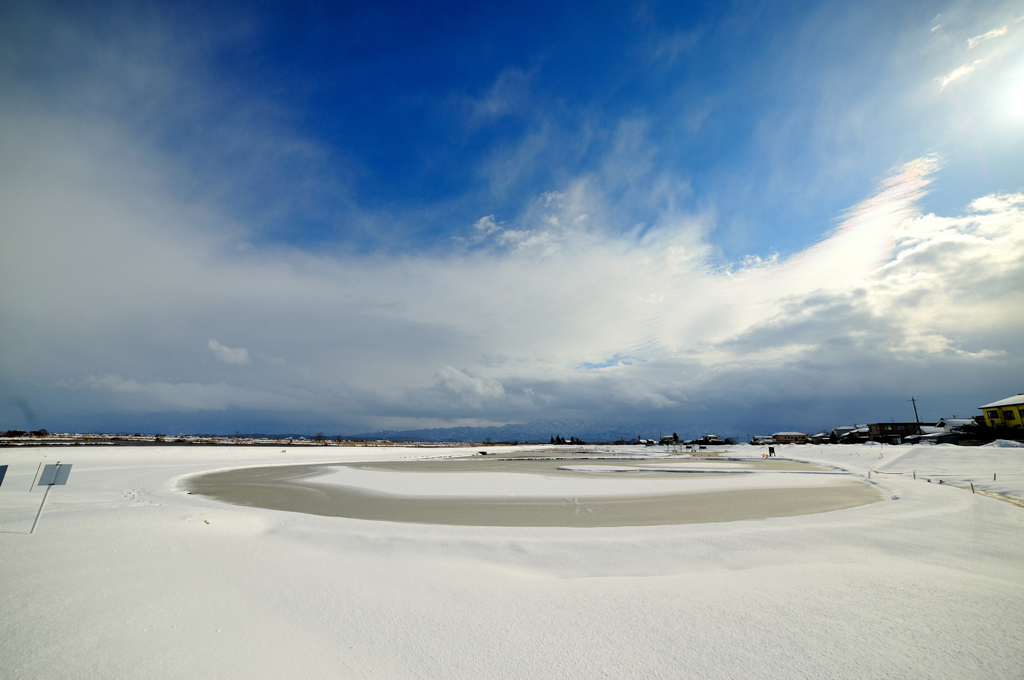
{"points": [[54, 475]]}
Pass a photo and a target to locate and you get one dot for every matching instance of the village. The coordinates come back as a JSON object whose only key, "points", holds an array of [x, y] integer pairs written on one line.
{"points": [[1003, 419], [998, 420]]}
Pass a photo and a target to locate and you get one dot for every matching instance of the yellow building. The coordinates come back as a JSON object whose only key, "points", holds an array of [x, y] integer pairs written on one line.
{"points": [[1007, 412]]}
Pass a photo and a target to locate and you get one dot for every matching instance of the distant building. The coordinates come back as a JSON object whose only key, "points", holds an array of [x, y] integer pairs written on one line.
{"points": [[892, 433], [943, 432], [789, 438], [820, 438], [706, 440], [940, 437], [857, 434], [842, 431], [948, 430], [762, 439], [948, 424], [1007, 412]]}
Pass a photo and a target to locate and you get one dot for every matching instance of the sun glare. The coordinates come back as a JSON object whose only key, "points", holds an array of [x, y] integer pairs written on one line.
{"points": [[1017, 98]]}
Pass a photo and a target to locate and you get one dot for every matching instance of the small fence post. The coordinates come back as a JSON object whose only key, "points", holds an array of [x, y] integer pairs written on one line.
{"points": [[38, 514]]}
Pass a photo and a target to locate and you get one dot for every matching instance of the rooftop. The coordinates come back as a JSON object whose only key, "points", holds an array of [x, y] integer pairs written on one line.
{"points": [[1009, 401]]}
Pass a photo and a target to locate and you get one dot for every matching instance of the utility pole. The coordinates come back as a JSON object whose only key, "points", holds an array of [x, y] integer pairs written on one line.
{"points": [[918, 420]]}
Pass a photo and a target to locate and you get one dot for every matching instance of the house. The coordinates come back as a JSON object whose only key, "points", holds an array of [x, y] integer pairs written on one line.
{"points": [[706, 440], [820, 438], [857, 435], [841, 431], [789, 438], [761, 439], [1007, 412], [946, 431], [892, 433], [940, 437], [949, 424]]}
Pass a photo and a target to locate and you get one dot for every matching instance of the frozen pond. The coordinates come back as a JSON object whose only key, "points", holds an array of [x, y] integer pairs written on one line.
{"points": [[578, 491]]}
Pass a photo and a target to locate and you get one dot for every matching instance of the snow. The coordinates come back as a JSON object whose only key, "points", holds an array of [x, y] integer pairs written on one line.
{"points": [[511, 484], [957, 465], [1009, 401], [1006, 444], [125, 578]]}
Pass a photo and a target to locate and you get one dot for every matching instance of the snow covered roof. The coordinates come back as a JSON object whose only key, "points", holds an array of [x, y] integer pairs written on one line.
{"points": [[790, 434], [1009, 401], [955, 422]]}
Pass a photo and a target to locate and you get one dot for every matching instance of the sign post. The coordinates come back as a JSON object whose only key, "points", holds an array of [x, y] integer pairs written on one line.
{"points": [[32, 485], [52, 476]]}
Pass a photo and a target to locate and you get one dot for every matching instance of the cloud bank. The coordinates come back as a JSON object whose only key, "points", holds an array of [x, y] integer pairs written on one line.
{"points": [[557, 319], [584, 276]]}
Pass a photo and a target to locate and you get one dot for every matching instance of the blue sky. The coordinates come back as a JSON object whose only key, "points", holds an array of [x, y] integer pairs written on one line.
{"points": [[344, 217]]}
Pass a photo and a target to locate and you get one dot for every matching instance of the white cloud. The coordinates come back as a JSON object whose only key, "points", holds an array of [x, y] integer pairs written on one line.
{"points": [[486, 224], [991, 35], [890, 294], [473, 390], [159, 395], [956, 73], [507, 96], [949, 281], [484, 227], [229, 355]]}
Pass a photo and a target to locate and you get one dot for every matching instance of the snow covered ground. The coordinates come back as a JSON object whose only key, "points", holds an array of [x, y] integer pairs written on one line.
{"points": [[510, 484], [128, 576], [989, 468]]}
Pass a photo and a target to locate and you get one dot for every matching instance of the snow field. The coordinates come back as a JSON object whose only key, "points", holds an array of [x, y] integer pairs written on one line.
{"points": [[124, 578], [465, 484]]}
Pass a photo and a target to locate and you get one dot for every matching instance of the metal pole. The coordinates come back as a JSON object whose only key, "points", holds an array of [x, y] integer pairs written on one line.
{"points": [[38, 514], [35, 478]]}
